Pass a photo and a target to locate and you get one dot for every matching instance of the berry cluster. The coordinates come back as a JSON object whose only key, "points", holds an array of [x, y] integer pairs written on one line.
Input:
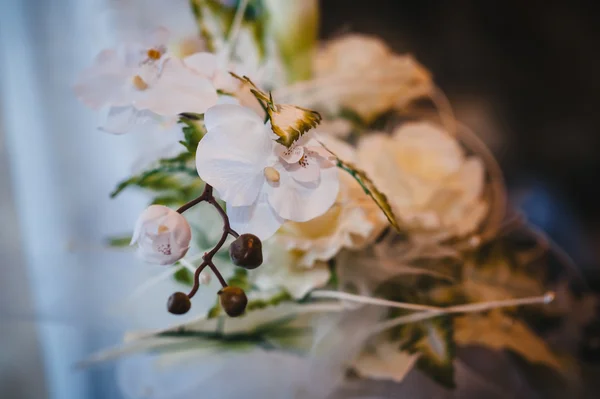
{"points": [[245, 251]]}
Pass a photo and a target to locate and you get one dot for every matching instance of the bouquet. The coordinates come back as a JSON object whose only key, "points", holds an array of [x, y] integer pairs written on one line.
{"points": [[356, 229]]}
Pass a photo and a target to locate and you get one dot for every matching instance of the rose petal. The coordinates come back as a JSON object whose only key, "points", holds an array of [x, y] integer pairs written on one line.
{"points": [[470, 179], [427, 151]]}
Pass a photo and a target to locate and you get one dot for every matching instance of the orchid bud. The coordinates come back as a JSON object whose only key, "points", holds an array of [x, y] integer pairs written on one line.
{"points": [[246, 251], [163, 235], [179, 303], [233, 301]]}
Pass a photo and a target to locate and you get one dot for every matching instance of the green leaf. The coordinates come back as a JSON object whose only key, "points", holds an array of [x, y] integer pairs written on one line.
{"points": [[168, 200], [433, 341], [353, 117], [497, 331], [214, 20], [293, 26], [239, 279], [184, 276], [119, 241], [192, 134], [215, 311], [180, 159], [273, 301], [495, 273], [157, 179]]}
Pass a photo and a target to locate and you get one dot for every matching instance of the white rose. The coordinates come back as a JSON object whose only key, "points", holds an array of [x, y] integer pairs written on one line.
{"points": [[163, 235], [432, 185], [366, 76]]}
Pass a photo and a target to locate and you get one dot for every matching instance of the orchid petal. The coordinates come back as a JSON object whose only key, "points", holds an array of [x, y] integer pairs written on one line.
{"points": [[306, 170], [232, 116], [290, 155], [203, 63], [101, 83], [126, 119], [299, 201], [178, 90], [233, 162], [259, 219]]}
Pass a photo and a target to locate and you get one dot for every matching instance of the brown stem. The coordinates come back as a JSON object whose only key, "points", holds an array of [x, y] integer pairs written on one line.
{"points": [[207, 196], [197, 280], [218, 274]]}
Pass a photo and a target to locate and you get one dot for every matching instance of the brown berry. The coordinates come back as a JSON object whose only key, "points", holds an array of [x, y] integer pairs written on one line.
{"points": [[233, 300], [179, 303], [246, 251]]}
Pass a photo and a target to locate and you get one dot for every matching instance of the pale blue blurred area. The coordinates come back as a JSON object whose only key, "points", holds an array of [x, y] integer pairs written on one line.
{"points": [[61, 292]]}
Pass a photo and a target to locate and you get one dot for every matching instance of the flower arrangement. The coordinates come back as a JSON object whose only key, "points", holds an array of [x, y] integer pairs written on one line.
{"points": [[361, 226]]}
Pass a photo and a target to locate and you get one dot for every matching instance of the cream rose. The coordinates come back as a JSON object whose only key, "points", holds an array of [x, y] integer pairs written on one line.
{"points": [[432, 185], [366, 76]]}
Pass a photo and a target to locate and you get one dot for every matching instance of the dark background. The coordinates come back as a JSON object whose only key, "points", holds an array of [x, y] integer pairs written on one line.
{"points": [[524, 74]]}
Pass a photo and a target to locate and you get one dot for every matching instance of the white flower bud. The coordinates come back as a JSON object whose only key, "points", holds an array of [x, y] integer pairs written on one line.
{"points": [[163, 235], [205, 278]]}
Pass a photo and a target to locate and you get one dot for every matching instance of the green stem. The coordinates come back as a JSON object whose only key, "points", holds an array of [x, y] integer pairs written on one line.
{"points": [[352, 173]]}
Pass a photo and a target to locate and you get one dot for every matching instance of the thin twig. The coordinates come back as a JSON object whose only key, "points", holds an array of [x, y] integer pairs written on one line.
{"points": [[219, 276], [369, 300], [468, 308], [197, 280], [207, 258], [235, 27], [206, 194]]}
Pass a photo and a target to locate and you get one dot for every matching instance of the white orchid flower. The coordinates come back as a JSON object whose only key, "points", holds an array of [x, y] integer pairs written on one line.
{"points": [[163, 235], [263, 182], [352, 222], [141, 82], [216, 68]]}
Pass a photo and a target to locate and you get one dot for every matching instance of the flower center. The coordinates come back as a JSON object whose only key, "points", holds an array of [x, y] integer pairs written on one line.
{"points": [[303, 161], [164, 249], [271, 174], [154, 54], [162, 228], [139, 83]]}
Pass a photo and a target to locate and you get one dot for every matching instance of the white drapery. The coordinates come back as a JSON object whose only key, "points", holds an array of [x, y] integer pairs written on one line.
{"points": [[57, 173]]}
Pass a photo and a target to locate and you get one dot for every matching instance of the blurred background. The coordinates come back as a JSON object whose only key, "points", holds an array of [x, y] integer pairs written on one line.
{"points": [[524, 75]]}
